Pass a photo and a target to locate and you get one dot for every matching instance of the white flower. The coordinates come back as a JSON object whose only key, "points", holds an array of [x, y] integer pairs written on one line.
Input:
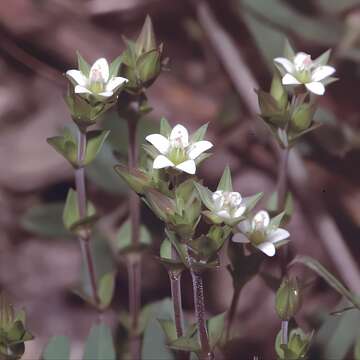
{"points": [[260, 233], [176, 151], [228, 205], [303, 70], [98, 82]]}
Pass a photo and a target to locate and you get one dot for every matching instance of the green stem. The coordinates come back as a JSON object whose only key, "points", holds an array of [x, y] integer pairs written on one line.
{"points": [[84, 238], [284, 332]]}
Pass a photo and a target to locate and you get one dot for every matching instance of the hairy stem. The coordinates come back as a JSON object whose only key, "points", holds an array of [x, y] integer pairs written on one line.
{"points": [[199, 303], [84, 238], [284, 332], [232, 310]]}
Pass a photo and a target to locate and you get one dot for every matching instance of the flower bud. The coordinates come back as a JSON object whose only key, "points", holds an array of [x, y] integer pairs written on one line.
{"points": [[302, 117], [278, 92], [288, 299], [146, 40], [136, 179]]}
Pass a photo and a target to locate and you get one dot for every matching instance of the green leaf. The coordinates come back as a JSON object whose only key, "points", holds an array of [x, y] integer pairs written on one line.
{"points": [[275, 222], [289, 52], [106, 289], [315, 266], [99, 344], [123, 237], [149, 65], [83, 66], [169, 328], [215, 327], [160, 204], [95, 140], [6, 312], [225, 183], [45, 220], [166, 249], [71, 217], [101, 172], [336, 6], [251, 201], [205, 195], [65, 145], [199, 134], [165, 127], [154, 340], [57, 348], [115, 66], [357, 349]]}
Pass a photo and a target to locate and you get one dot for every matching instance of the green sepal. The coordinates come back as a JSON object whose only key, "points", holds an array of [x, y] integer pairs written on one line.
{"points": [[149, 66], [115, 66], [199, 134], [189, 342], [302, 117], [137, 179], [83, 66], [288, 51], [165, 127], [179, 247], [65, 145], [205, 195], [146, 40], [251, 201], [71, 216], [171, 265], [212, 218], [225, 183], [273, 207], [94, 142], [7, 313], [162, 206]]}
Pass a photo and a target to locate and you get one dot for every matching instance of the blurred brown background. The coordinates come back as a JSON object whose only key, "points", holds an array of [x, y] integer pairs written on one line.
{"points": [[219, 52]]}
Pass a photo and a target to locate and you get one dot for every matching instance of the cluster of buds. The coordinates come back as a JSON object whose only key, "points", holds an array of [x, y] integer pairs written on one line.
{"points": [[142, 61], [13, 333], [289, 108], [297, 347]]}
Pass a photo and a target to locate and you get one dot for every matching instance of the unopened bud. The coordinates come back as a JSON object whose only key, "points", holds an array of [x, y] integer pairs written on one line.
{"points": [[288, 299], [302, 117]]}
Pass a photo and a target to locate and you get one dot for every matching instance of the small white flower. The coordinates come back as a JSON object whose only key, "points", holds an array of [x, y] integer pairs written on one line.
{"points": [[303, 70], [260, 233], [98, 82], [228, 205], [176, 151]]}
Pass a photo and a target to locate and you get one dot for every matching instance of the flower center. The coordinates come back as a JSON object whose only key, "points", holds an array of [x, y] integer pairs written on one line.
{"points": [[177, 154], [96, 81], [229, 201], [303, 69]]}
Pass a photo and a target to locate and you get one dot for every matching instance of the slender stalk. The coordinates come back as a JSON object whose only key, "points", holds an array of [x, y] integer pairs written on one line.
{"points": [[284, 332], [175, 282], [134, 260], [84, 238], [282, 178], [199, 303], [232, 310]]}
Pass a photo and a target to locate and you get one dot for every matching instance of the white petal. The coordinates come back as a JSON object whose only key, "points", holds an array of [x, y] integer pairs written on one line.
{"points": [[285, 63], [278, 235], [218, 199], [77, 76], [224, 214], [235, 198], [289, 79], [115, 82], [302, 59], [198, 148], [180, 134], [187, 166], [239, 211], [160, 142], [261, 218], [161, 162], [322, 72], [244, 226], [316, 87], [106, 93], [81, 90], [240, 238], [267, 248], [101, 65]]}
